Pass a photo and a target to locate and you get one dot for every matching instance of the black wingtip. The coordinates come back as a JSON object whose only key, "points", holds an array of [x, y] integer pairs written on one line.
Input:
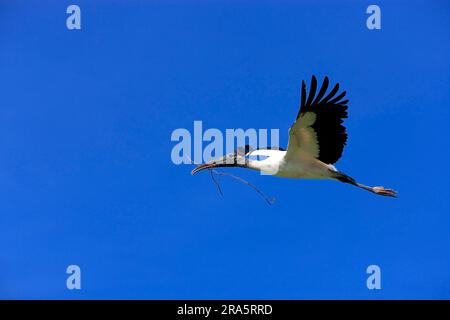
{"points": [[303, 95], [322, 91], [312, 90]]}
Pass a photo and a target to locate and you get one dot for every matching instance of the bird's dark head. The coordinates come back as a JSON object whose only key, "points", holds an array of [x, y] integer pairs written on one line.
{"points": [[234, 159]]}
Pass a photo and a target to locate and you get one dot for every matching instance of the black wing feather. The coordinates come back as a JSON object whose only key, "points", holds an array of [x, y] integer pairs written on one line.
{"points": [[303, 102], [312, 90], [330, 112], [338, 98], [331, 94], [322, 91]]}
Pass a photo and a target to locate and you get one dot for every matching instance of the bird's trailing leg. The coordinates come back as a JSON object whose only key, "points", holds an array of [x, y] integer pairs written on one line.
{"points": [[382, 191]]}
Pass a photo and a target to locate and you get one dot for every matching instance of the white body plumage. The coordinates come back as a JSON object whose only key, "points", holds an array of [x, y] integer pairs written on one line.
{"points": [[276, 163]]}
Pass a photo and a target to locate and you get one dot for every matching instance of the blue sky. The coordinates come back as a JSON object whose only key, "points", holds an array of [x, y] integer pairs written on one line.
{"points": [[86, 176]]}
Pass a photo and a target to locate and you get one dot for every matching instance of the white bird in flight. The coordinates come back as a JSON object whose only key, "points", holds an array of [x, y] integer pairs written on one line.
{"points": [[316, 141]]}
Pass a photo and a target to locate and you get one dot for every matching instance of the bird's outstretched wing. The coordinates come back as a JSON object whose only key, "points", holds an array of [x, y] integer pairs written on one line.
{"points": [[318, 129]]}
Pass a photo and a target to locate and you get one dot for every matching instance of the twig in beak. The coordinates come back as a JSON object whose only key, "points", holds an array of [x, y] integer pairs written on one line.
{"points": [[215, 181], [270, 201]]}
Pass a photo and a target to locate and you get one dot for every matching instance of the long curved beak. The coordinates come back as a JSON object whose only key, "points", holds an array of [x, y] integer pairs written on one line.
{"points": [[204, 166], [229, 160]]}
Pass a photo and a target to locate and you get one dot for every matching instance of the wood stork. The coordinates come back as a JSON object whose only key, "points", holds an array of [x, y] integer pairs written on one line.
{"points": [[316, 141]]}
